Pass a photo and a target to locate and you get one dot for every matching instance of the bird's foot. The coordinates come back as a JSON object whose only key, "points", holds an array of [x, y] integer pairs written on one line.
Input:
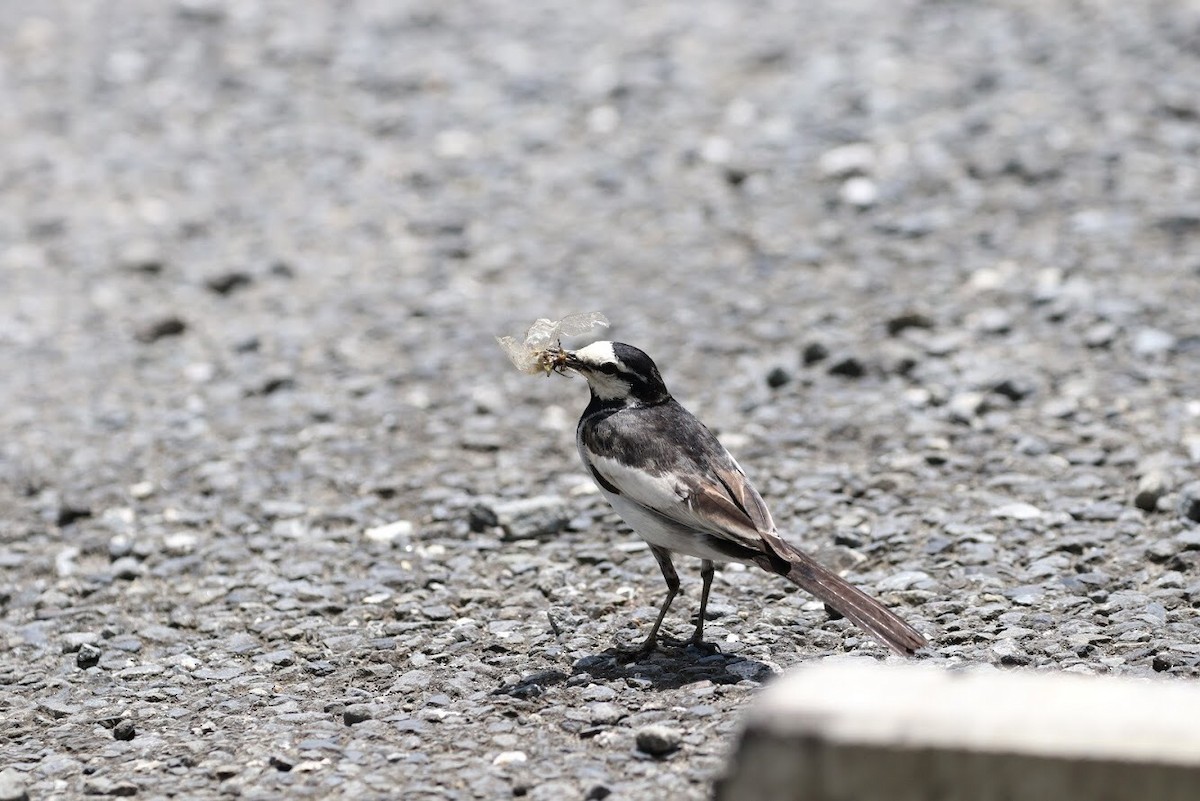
{"points": [[693, 642], [631, 655]]}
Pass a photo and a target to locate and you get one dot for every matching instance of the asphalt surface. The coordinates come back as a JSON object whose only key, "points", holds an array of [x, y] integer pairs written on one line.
{"points": [[277, 517]]}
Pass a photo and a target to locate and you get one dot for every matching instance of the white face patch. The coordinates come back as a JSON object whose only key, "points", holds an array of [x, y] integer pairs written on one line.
{"points": [[605, 386], [598, 353]]}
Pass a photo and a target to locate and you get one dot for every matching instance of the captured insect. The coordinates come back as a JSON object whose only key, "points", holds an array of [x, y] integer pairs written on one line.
{"points": [[542, 352]]}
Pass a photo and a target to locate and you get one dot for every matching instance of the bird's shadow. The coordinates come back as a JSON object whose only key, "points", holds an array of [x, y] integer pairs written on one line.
{"points": [[669, 668], [666, 668]]}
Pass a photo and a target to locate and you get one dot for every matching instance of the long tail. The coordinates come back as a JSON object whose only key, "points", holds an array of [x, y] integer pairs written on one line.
{"points": [[861, 609]]}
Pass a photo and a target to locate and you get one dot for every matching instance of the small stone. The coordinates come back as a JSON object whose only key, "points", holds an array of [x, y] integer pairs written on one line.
{"points": [[966, 406], [506, 758], [58, 708], [1151, 342], [1189, 501], [847, 161], [1100, 335], [437, 612], [280, 382], [603, 713], [848, 367], [540, 517], [992, 321], [12, 785], [1026, 595], [814, 352], [657, 740], [356, 713], [907, 320], [127, 568], [1018, 510], [1152, 486], [142, 257], [280, 658], [598, 792], [859, 192], [1015, 389], [141, 490], [88, 656], [281, 763], [389, 532], [68, 513], [124, 730], [163, 327], [226, 283], [599, 692], [778, 377]]}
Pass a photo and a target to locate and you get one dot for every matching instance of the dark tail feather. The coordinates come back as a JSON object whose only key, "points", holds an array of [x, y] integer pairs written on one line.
{"points": [[861, 609]]}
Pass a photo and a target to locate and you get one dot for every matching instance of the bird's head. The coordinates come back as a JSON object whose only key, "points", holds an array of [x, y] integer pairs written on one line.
{"points": [[616, 371]]}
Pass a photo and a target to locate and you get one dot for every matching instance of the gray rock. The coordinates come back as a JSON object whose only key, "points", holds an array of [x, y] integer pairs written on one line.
{"points": [[357, 713], [848, 367], [1151, 342], [602, 713], [127, 568], [12, 785], [1189, 501], [1152, 486], [540, 517], [161, 328], [87, 656], [814, 352], [658, 740], [124, 730]]}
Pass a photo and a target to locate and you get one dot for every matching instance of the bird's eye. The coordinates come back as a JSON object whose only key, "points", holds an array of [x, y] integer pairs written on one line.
{"points": [[608, 368]]}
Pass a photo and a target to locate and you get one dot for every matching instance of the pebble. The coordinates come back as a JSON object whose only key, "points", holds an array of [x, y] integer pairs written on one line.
{"points": [[12, 785], [599, 692], [860, 192], [1018, 510], [1152, 342], [507, 758], [127, 568], [1189, 501], [356, 713], [539, 517], [162, 328], [389, 532], [844, 161], [658, 740], [909, 320], [848, 367], [87, 656], [124, 730], [603, 713], [778, 377], [966, 406], [1151, 487], [228, 282], [813, 352]]}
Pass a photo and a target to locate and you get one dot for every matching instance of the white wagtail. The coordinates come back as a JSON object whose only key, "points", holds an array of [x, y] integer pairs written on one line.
{"points": [[674, 483]]}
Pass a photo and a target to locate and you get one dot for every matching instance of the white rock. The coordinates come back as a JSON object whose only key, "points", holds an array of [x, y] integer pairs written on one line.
{"points": [[505, 758], [847, 160], [860, 192], [389, 532], [1018, 510]]}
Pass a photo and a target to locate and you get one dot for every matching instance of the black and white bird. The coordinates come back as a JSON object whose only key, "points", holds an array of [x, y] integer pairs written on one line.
{"points": [[674, 483]]}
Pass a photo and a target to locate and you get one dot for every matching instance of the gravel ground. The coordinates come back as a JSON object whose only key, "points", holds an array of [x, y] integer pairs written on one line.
{"points": [[279, 520]]}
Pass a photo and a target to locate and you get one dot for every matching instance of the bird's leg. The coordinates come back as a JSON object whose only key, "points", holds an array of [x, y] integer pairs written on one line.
{"points": [[672, 578], [706, 575]]}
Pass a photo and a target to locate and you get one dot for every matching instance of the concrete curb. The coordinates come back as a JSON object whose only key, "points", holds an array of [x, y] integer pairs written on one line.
{"points": [[858, 730]]}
